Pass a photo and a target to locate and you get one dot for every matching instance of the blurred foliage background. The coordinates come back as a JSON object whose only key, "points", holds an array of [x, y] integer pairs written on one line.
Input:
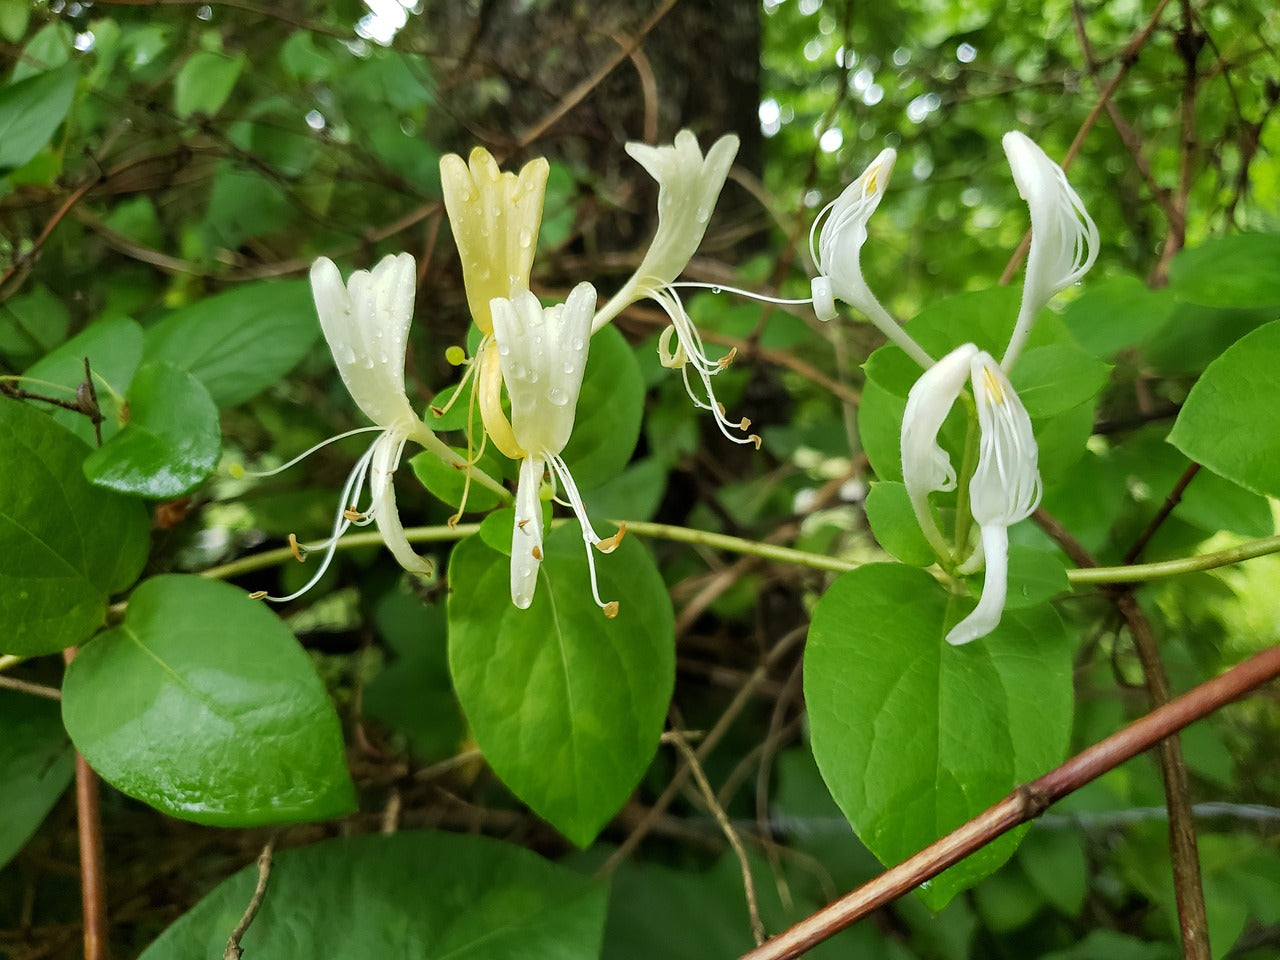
{"points": [[210, 146]]}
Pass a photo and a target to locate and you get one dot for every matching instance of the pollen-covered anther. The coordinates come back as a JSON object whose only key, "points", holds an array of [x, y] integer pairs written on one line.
{"points": [[610, 609], [744, 423], [536, 553], [299, 553], [258, 595], [727, 358], [610, 544], [521, 524], [354, 515], [755, 438]]}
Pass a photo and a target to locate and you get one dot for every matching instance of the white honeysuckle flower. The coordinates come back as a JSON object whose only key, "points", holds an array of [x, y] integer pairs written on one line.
{"points": [[688, 187], [1005, 487], [543, 355], [366, 324], [1064, 238], [926, 467], [835, 242]]}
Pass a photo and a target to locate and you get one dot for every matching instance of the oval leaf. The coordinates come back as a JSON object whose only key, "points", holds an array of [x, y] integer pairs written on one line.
{"points": [[239, 342], [202, 704], [610, 408], [914, 736], [429, 896], [1238, 270], [1231, 419], [36, 763], [171, 442], [65, 546], [567, 705], [30, 111]]}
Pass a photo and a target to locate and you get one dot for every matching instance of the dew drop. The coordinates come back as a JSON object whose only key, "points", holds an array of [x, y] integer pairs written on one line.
{"points": [[716, 290], [570, 366], [703, 214], [557, 396], [578, 343], [503, 349], [526, 239], [533, 376]]}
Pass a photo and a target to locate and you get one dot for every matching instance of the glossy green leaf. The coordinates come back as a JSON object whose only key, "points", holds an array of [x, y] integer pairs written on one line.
{"points": [[114, 348], [203, 705], [170, 444], [893, 521], [1035, 576], [913, 736], [48, 48], [31, 110], [65, 546], [429, 896], [566, 704], [610, 408], [1230, 422], [239, 342], [36, 764], [1236, 270], [204, 83]]}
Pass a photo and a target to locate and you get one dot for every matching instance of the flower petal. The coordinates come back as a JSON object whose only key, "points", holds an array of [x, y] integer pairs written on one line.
{"points": [[526, 534], [366, 324], [688, 186], [495, 218], [986, 615], [386, 457], [1006, 483]]}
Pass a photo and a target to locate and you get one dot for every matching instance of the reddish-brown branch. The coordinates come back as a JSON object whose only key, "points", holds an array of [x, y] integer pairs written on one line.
{"points": [[1024, 804], [93, 879], [1166, 508]]}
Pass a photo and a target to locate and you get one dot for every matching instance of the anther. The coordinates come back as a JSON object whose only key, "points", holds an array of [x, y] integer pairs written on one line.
{"points": [[537, 553], [296, 548], [610, 544], [354, 515], [610, 609], [727, 358], [755, 438], [258, 595]]}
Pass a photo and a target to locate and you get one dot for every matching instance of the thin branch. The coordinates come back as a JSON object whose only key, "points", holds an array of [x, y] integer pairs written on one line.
{"points": [[1024, 804], [93, 877], [1166, 508], [735, 841], [233, 950], [35, 689]]}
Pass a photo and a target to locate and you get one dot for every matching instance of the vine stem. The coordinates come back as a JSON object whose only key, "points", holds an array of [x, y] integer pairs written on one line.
{"points": [[93, 878], [1025, 803], [1133, 573]]}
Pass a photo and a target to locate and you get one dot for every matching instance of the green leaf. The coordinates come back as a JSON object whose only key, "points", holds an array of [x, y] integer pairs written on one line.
{"points": [[1117, 313], [33, 323], [36, 763], [429, 896], [913, 736], [30, 112], [171, 442], [610, 408], [634, 494], [1051, 380], [1035, 576], [1237, 270], [205, 82], [65, 546], [567, 705], [1230, 422], [114, 348], [1055, 862], [239, 342], [446, 482], [14, 15], [48, 49], [893, 521], [203, 705]]}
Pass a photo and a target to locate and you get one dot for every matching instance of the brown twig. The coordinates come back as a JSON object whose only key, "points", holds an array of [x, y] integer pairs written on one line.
{"points": [[1024, 804], [1189, 43], [1166, 508], [233, 950], [735, 841], [93, 878], [717, 732]]}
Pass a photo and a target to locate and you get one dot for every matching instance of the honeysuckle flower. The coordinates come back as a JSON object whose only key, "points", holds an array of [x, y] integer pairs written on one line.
{"points": [[366, 324], [926, 467], [495, 218], [1005, 486], [688, 186], [835, 242], [1064, 238], [543, 354]]}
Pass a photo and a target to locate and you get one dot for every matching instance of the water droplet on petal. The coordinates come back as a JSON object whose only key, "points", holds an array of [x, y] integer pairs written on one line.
{"points": [[703, 214], [526, 239], [503, 349], [578, 343], [557, 396]]}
